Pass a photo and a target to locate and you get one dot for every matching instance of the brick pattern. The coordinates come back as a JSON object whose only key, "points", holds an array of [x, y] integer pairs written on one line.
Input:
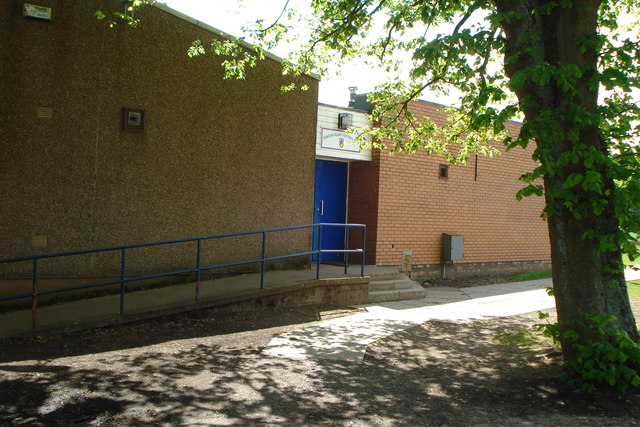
{"points": [[407, 206], [364, 185]]}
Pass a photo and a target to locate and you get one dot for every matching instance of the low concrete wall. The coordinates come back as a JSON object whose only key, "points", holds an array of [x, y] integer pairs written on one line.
{"points": [[424, 272], [343, 291]]}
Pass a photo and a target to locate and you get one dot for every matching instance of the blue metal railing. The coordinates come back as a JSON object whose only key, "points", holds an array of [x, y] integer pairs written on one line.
{"points": [[198, 268]]}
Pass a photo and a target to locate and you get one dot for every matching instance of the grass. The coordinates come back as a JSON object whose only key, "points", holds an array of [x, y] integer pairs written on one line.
{"points": [[546, 274], [519, 337], [627, 261], [534, 275], [634, 289]]}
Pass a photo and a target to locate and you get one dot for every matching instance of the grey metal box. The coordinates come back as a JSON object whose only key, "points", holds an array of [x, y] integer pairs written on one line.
{"points": [[452, 247]]}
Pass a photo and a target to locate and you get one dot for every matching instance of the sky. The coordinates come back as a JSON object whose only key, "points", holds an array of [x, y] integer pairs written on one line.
{"points": [[230, 15]]}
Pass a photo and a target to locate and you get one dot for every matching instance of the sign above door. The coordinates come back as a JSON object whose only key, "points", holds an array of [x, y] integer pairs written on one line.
{"points": [[335, 139]]}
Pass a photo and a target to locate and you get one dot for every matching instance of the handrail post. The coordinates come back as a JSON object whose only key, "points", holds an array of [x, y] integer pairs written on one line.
{"points": [[123, 264], [264, 255], [198, 256], [364, 249], [346, 247], [319, 251], [34, 290]]}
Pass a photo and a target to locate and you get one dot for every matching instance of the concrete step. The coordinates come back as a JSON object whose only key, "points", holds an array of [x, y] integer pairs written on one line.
{"points": [[414, 291], [387, 276], [386, 285]]}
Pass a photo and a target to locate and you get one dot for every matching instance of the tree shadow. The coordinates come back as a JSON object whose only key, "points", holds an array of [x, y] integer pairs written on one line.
{"points": [[191, 325], [434, 374]]}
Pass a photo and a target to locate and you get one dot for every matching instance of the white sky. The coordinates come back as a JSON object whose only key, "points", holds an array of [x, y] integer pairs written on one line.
{"points": [[230, 15]]}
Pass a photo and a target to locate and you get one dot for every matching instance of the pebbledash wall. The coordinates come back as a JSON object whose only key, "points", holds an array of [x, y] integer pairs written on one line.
{"points": [[215, 156], [407, 207]]}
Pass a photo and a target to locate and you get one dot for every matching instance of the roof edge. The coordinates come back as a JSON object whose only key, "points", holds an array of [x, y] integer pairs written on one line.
{"points": [[220, 33], [339, 107]]}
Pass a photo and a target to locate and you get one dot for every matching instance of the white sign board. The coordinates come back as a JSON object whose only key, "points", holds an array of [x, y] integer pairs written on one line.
{"points": [[335, 139], [36, 12]]}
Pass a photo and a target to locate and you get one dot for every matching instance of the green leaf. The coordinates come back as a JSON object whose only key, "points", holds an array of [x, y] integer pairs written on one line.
{"points": [[573, 180]]}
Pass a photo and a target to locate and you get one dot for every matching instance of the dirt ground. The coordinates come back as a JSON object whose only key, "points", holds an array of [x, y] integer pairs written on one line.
{"points": [[206, 368]]}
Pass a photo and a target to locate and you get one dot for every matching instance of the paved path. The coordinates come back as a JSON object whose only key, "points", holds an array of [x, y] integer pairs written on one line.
{"points": [[632, 275], [347, 338]]}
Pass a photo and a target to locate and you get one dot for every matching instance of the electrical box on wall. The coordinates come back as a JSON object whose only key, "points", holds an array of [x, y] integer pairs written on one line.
{"points": [[452, 247], [345, 120]]}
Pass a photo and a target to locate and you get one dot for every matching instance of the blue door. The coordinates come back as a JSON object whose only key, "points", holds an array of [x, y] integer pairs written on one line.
{"points": [[330, 205]]}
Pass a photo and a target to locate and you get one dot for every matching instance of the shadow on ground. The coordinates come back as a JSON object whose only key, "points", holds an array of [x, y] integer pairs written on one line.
{"points": [[433, 374], [191, 325]]}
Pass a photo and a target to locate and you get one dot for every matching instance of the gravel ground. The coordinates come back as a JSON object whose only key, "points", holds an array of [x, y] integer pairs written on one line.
{"points": [[208, 369]]}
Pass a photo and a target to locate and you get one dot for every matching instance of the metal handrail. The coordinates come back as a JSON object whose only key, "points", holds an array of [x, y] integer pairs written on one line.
{"points": [[198, 268]]}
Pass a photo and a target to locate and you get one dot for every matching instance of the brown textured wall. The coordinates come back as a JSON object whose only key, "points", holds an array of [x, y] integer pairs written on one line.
{"points": [[217, 156], [7, 71], [415, 206]]}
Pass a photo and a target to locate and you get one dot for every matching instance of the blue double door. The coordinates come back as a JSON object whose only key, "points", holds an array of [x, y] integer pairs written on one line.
{"points": [[330, 206]]}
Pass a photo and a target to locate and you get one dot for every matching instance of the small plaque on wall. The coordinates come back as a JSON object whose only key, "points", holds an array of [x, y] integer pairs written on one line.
{"points": [[133, 119], [39, 13]]}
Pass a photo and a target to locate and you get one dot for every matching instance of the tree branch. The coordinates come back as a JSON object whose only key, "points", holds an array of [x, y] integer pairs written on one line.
{"points": [[284, 9], [405, 104]]}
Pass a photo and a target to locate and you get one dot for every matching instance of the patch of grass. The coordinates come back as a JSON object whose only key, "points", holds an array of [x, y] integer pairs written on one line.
{"points": [[534, 275], [627, 261], [518, 337], [634, 289]]}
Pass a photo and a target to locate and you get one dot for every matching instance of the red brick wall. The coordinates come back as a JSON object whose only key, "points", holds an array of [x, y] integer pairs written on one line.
{"points": [[364, 184], [415, 206]]}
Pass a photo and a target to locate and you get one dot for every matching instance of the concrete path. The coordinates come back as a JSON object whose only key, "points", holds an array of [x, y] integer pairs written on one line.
{"points": [[347, 338], [632, 275]]}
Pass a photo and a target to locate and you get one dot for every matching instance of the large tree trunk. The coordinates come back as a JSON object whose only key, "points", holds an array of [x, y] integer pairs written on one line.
{"points": [[587, 281], [583, 277]]}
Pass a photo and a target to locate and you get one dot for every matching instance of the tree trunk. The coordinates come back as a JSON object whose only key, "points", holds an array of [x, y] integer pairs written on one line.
{"points": [[583, 286], [587, 281]]}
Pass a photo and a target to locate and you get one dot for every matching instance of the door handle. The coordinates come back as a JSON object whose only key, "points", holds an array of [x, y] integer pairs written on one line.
{"points": [[321, 207]]}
